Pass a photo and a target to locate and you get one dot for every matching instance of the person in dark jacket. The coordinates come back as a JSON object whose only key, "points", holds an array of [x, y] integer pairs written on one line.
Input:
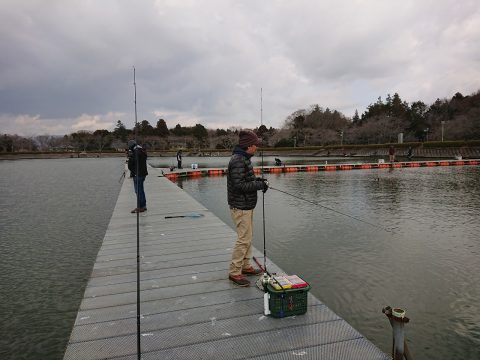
{"points": [[179, 159], [410, 153], [138, 154], [391, 152], [242, 187]]}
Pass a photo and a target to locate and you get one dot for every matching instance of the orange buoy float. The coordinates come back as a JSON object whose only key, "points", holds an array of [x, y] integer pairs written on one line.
{"points": [[215, 172], [330, 168]]}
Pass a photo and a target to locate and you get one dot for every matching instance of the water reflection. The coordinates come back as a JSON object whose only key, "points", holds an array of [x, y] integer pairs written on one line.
{"points": [[429, 265]]}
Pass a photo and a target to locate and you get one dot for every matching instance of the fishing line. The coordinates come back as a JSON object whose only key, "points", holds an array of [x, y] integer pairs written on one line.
{"points": [[329, 208], [139, 352]]}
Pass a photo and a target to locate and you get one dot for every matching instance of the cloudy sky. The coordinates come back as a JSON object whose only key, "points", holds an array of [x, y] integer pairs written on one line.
{"points": [[67, 65]]}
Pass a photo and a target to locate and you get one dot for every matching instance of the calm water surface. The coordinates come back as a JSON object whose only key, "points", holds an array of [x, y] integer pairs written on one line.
{"points": [[53, 217], [429, 265]]}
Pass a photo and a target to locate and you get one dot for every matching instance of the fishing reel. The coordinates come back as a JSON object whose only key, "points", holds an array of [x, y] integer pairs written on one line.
{"points": [[265, 280]]}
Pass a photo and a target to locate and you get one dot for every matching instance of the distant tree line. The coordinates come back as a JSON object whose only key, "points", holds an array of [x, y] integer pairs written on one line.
{"points": [[457, 118]]}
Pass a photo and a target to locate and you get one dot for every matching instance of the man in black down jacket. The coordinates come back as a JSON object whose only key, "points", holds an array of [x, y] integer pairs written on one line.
{"points": [[138, 179], [242, 186]]}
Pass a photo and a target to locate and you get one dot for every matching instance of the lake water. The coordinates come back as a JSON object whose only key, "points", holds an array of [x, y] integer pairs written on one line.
{"points": [[53, 217], [54, 214]]}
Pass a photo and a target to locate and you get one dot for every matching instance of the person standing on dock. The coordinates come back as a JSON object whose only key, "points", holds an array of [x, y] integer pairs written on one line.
{"points": [[391, 152], [179, 159], [242, 187], [138, 154]]}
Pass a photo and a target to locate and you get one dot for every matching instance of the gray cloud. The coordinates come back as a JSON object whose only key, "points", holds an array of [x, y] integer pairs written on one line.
{"points": [[68, 64]]}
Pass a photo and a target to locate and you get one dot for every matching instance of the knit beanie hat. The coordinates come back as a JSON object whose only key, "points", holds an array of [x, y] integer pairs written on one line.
{"points": [[248, 138]]}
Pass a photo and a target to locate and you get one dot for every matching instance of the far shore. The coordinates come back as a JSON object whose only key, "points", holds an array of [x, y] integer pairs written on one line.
{"points": [[472, 152]]}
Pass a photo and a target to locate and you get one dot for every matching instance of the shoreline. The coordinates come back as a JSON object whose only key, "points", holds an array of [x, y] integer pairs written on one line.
{"points": [[446, 152]]}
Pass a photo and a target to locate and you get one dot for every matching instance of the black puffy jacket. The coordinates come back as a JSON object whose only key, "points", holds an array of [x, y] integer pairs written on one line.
{"points": [[242, 185], [142, 161]]}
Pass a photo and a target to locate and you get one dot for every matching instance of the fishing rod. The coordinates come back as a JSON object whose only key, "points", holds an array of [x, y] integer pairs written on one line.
{"points": [[329, 208], [265, 280], [263, 193], [137, 185], [190, 215]]}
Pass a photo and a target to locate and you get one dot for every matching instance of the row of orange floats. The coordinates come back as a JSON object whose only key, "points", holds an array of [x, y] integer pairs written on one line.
{"points": [[310, 168]]}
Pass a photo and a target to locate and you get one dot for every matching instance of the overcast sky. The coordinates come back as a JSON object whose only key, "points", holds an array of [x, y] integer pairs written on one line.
{"points": [[67, 65]]}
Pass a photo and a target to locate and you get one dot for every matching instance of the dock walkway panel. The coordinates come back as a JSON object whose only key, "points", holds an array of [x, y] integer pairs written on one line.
{"points": [[190, 310]]}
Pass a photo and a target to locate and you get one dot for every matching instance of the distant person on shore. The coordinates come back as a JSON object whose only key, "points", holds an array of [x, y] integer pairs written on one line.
{"points": [[410, 153], [138, 162], [391, 152], [179, 159], [278, 162], [242, 187]]}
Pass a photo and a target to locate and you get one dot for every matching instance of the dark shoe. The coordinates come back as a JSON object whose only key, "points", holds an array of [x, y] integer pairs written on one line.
{"points": [[138, 210], [239, 280], [251, 271]]}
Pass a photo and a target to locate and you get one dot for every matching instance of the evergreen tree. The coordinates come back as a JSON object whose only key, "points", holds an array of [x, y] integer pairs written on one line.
{"points": [[417, 119], [162, 129], [398, 109], [200, 133], [145, 128], [178, 130], [120, 131], [356, 118]]}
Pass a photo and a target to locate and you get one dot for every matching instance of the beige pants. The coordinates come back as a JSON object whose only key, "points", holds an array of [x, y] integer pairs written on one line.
{"points": [[242, 251]]}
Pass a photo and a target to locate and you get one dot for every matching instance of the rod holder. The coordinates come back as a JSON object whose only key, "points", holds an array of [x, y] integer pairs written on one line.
{"points": [[397, 319]]}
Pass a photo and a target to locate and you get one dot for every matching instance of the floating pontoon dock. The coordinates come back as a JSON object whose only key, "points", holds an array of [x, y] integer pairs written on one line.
{"points": [[190, 310], [174, 174]]}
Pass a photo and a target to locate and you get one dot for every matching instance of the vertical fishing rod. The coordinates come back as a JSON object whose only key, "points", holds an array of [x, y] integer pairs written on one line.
{"points": [[139, 352], [263, 192]]}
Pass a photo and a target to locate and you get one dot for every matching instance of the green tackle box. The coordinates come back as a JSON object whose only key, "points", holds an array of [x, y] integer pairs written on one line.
{"points": [[287, 302]]}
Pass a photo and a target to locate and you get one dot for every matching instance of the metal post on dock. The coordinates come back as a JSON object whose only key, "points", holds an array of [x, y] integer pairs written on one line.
{"points": [[397, 319]]}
